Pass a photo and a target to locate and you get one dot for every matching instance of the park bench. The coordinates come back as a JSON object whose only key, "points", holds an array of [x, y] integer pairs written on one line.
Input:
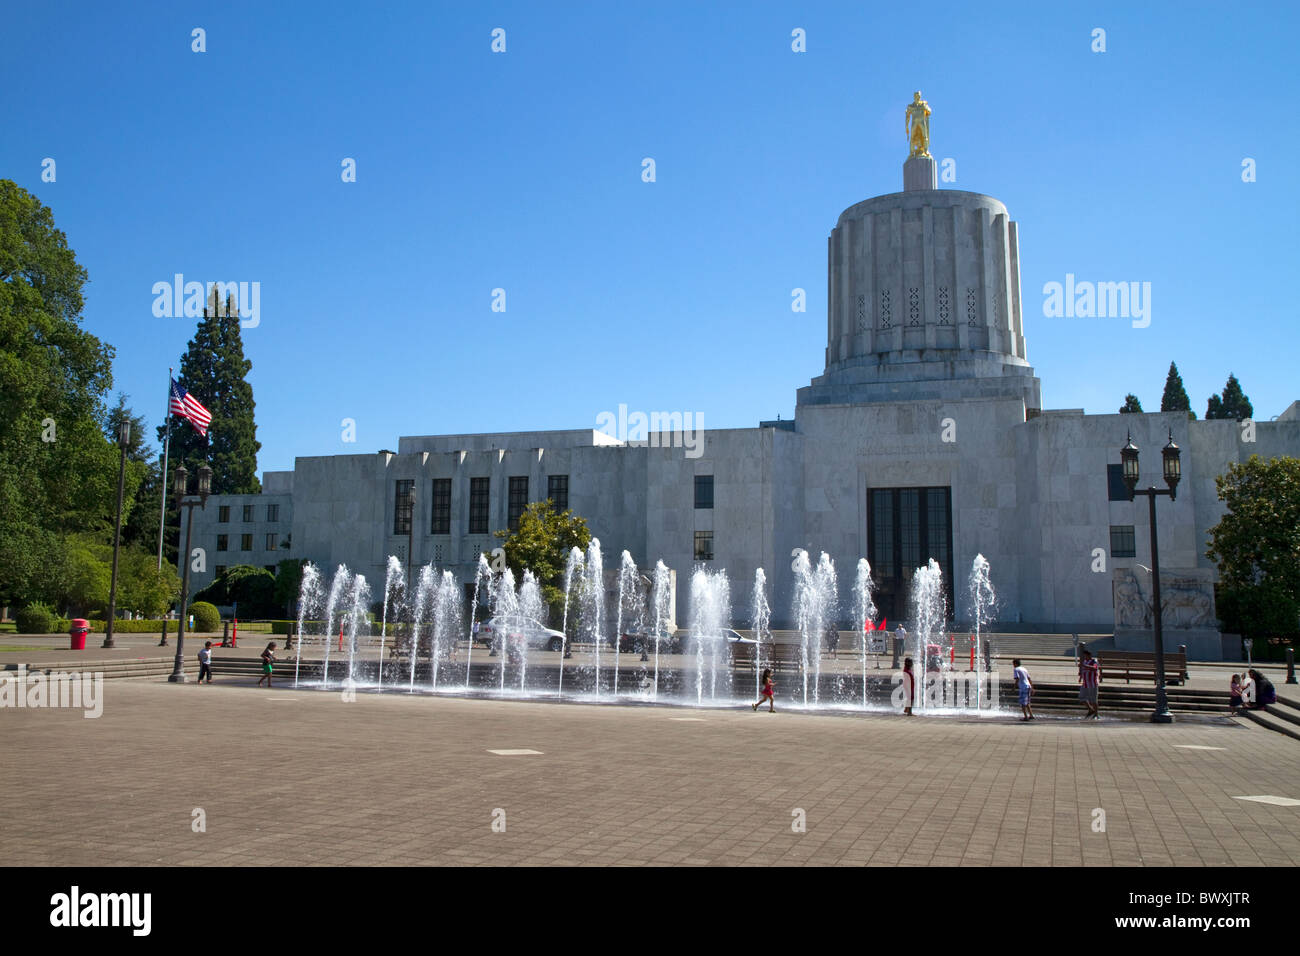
{"points": [[773, 655], [1141, 665]]}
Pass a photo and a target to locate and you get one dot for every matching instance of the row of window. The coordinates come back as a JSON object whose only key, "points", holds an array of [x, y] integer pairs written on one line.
{"points": [[246, 542], [272, 513], [480, 498]]}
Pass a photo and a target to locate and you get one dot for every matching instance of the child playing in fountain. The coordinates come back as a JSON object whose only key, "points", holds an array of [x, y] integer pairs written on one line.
{"points": [[268, 662], [909, 684], [767, 691]]}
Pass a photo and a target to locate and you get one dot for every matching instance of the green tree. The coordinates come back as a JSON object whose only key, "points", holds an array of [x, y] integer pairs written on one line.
{"points": [[1131, 405], [141, 586], [541, 544], [1256, 545], [288, 581], [1175, 397], [58, 473], [251, 588], [1233, 404], [215, 370]]}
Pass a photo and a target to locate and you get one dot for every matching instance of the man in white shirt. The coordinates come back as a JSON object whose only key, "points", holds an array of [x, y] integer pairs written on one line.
{"points": [[1026, 688]]}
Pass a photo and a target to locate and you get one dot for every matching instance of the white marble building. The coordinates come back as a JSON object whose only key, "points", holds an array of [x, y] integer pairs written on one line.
{"points": [[924, 437]]}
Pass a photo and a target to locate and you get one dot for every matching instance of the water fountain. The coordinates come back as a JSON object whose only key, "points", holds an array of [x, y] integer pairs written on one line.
{"points": [[423, 595], [592, 598], [866, 615], [393, 580], [661, 597], [532, 611], [573, 565], [446, 622], [929, 609], [505, 619], [760, 616], [982, 601], [482, 572], [309, 605], [814, 603], [358, 617], [629, 593], [338, 588], [710, 615]]}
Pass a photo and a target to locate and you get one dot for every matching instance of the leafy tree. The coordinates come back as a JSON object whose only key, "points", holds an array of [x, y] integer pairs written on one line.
{"points": [[58, 473], [1175, 397], [288, 581], [1131, 405], [542, 544], [142, 586], [252, 588], [1234, 403], [1256, 545]]}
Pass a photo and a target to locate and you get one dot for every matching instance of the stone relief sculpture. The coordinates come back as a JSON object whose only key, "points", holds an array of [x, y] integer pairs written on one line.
{"points": [[1131, 608], [1187, 601]]}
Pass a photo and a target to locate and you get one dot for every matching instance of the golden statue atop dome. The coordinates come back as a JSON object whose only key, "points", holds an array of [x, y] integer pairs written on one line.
{"points": [[916, 121]]}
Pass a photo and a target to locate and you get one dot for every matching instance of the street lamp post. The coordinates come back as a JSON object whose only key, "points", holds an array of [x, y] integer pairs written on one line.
{"points": [[1170, 455], [180, 489], [123, 439]]}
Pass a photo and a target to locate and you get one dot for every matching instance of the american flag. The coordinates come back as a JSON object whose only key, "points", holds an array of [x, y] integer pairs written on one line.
{"points": [[186, 406]]}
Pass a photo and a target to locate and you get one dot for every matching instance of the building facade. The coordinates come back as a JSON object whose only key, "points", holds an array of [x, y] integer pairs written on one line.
{"points": [[925, 437]]}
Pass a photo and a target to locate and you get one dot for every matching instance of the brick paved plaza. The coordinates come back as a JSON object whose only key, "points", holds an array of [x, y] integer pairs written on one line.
{"points": [[289, 777]]}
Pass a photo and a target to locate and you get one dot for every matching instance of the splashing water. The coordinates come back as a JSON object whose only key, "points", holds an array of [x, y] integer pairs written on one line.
{"points": [[446, 622], [866, 615], [661, 599], [309, 603], [593, 600], [710, 615], [572, 566], [480, 573], [929, 608], [629, 598], [760, 615], [982, 600], [358, 618], [423, 591], [338, 588], [506, 625], [814, 600], [393, 580]]}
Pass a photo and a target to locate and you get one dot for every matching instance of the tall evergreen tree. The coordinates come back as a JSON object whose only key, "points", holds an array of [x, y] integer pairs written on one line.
{"points": [[1131, 405], [215, 370], [1234, 404], [1175, 397]]}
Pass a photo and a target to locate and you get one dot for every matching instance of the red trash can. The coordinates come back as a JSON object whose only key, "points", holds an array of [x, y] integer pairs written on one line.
{"points": [[80, 626]]}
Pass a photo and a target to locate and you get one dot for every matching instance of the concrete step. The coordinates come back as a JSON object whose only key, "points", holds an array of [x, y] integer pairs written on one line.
{"points": [[1270, 722], [1289, 714]]}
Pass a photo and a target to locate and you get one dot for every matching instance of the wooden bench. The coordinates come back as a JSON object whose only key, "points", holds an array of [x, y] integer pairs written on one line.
{"points": [[776, 656], [1141, 665]]}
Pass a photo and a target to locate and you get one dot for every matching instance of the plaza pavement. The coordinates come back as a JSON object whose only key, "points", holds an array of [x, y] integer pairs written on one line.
{"points": [[300, 777]]}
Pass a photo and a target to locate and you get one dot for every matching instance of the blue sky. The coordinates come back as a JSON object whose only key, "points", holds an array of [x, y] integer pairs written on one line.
{"points": [[522, 171]]}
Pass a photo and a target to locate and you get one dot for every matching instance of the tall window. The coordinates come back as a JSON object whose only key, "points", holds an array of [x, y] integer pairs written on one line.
{"points": [[704, 491], [223, 513], [557, 489], [403, 506], [272, 512], [221, 569], [245, 542], [223, 541], [479, 489], [441, 502], [1116, 490], [1123, 544], [906, 527], [704, 546], [271, 537], [517, 501], [248, 513]]}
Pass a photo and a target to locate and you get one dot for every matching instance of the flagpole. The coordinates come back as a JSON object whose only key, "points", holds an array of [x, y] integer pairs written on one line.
{"points": [[162, 515]]}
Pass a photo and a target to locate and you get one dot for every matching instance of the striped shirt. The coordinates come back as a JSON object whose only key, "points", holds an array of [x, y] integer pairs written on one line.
{"points": [[1090, 672]]}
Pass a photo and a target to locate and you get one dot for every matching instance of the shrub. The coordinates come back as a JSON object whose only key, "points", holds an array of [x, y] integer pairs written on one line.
{"points": [[35, 618], [206, 616]]}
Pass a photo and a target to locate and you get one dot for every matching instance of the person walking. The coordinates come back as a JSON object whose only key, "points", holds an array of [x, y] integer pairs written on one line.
{"points": [[1026, 688], [1089, 678], [268, 665], [767, 692], [205, 662]]}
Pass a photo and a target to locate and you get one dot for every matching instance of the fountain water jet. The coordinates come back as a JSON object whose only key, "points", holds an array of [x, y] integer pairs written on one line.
{"points": [[393, 578], [661, 597], [982, 601], [760, 615], [480, 572], [338, 586], [710, 615], [423, 590], [929, 607], [866, 608], [309, 603], [573, 565]]}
